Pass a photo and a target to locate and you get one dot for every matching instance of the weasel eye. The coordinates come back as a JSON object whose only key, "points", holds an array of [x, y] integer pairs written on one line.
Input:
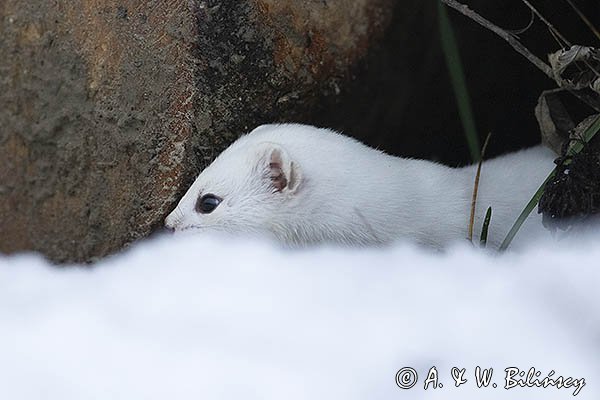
{"points": [[207, 203]]}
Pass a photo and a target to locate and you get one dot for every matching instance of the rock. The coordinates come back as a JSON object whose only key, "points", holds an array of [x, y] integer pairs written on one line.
{"points": [[108, 109]]}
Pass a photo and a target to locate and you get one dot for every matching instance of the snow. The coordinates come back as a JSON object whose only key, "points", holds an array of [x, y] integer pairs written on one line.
{"points": [[193, 317]]}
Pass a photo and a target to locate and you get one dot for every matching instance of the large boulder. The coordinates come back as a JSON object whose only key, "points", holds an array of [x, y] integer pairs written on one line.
{"points": [[109, 108]]}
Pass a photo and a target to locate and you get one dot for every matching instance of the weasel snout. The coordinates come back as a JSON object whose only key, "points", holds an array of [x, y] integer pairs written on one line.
{"points": [[173, 220]]}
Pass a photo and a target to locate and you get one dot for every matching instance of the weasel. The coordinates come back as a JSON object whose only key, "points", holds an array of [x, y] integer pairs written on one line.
{"points": [[306, 185]]}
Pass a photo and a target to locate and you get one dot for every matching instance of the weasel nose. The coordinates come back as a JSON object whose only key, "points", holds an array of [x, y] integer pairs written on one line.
{"points": [[174, 219], [170, 223]]}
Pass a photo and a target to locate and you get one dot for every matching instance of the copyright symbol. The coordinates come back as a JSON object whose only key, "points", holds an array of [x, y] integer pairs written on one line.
{"points": [[406, 378]]}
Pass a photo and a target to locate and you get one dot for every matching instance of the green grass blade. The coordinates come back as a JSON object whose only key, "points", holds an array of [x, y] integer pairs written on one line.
{"points": [[457, 76], [589, 133], [485, 228], [524, 214]]}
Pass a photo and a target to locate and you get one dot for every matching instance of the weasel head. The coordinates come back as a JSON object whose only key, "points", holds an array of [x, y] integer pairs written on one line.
{"points": [[244, 190]]}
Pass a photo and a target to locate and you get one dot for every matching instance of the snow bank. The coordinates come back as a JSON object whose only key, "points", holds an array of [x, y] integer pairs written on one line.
{"points": [[198, 318]]}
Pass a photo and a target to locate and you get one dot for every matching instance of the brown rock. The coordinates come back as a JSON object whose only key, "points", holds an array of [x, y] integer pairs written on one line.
{"points": [[109, 108]]}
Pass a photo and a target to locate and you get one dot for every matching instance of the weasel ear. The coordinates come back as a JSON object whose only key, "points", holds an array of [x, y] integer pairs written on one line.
{"points": [[285, 175]]}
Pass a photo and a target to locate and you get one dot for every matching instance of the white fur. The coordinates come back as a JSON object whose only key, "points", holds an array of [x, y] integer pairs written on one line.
{"points": [[349, 193]]}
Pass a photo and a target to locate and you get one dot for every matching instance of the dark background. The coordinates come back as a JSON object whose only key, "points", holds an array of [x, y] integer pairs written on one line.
{"points": [[402, 100]]}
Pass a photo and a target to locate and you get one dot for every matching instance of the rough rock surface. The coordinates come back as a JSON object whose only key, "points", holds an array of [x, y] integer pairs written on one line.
{"points": [[108, 108]]}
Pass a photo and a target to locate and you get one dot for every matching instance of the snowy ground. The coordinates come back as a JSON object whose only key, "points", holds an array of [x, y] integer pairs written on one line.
{"points": [[195, 318]]}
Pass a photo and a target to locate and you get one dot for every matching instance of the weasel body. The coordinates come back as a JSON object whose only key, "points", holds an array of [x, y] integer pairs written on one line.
{"points": [[306, 185]]}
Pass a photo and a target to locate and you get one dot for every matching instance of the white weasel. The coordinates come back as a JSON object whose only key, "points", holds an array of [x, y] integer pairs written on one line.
{"points": [[306, 185]]}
